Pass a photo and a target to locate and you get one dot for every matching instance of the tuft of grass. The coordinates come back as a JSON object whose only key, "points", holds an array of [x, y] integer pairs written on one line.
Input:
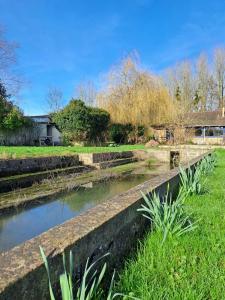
{"points": [[191, 181], [90, 286], [208, 164], [167, 215]]}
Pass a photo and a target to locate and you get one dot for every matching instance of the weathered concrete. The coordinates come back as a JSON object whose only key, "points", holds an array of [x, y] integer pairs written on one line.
{"points": [[28, 165], [208, 140], [25, 180], [186, 152], [33, 170], [113, 226], [54, 186], [114, 163], [92, 158]]}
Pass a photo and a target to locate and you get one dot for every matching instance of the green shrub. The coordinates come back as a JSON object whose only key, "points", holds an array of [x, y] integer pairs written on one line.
{"points": [[167, 216], [79, 122], [11, 117], [118, 133], [99, 122]]}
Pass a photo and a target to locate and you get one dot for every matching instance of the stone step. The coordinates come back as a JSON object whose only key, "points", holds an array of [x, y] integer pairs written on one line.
{"points": [[114, 163], [25, 180]]}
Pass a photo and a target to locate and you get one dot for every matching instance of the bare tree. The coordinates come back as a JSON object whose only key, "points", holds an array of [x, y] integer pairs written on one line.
{"points": [[186, 83], [7, 52], [171, 81], [203, 81], [219, 73], [54, 99], [86, 91], [10, 79]]}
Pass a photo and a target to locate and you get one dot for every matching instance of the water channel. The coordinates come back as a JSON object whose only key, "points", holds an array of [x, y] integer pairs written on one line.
{"points": [[22, 224]]}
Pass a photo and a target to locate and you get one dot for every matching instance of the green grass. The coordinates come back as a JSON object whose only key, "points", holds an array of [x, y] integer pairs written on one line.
{"points": [[191, 266], [27, 151]]}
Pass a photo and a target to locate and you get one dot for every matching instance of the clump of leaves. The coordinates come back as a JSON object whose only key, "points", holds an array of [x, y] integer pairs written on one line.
{"points": [[208, 164], [167, 215], [191, 181], [90, 286]]}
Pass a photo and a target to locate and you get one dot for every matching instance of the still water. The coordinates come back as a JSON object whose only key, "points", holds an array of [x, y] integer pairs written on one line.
{"points": [[25, 223]]}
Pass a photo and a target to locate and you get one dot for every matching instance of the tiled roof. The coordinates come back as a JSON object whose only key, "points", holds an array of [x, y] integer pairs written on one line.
{"points": [[208, 118]]}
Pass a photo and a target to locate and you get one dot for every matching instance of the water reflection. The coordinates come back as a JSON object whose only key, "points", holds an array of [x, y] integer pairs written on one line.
{"points": [[25, 223]]}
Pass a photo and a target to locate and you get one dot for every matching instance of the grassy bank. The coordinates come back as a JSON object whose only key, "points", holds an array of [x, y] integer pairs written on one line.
{"points": [[28, 151], [191, 266]]}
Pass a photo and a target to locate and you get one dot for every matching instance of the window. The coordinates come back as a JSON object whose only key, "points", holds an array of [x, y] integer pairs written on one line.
{"points": [[198, 132], [214, 131]]}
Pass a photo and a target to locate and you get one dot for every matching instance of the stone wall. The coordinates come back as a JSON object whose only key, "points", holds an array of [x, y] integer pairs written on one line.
{"points": [[29, 165], [114, 226]]}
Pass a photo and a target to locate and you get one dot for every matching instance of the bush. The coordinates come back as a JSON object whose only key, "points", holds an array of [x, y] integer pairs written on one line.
{"points": [[79, 122], [11, 117], [15, 119], [99, 121], [118, 133]]}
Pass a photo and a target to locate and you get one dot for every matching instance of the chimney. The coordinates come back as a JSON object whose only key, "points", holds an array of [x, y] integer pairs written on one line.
{"points": [[223, 111]]}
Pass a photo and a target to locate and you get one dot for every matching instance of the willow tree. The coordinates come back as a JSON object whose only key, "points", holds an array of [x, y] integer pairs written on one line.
{"points": [[134, 96]]}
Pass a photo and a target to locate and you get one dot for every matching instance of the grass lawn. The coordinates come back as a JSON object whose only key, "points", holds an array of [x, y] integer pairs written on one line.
{"points": [[191, 266], [28, 151]]}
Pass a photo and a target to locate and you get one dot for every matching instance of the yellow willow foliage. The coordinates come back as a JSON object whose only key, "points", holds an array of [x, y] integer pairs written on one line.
{"points": [[136, 97]]}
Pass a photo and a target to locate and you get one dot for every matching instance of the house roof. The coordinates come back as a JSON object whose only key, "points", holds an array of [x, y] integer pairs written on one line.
{"points": [[42, 119], [208, 118]]}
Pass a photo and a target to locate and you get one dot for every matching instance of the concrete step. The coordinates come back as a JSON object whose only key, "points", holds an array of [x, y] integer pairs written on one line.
{"points": [[94, 158], [25, 180], [114, 163]]}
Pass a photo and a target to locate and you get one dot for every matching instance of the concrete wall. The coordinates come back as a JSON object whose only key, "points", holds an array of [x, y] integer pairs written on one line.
{"points": [[163, 155], [160, 134], [56, 135], [186, 152], [114, 226], [29, 165], [208, 140], [91, 158]]}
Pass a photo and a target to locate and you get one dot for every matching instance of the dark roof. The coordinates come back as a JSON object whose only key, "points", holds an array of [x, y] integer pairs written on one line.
{"points": [[207, 118], [39, 116], [41, 119]]}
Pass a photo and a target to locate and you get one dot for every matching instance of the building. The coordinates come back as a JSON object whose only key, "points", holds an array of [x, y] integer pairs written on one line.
{"points": [[199, 128], [48, 133], [42, 132], [208, 127]]}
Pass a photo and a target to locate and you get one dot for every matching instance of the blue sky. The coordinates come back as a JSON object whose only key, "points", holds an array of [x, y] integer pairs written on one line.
{"points": [[63, 42]]}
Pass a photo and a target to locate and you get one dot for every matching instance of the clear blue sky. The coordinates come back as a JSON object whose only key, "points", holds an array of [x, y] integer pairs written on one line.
{"points": [[63, 42]]}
